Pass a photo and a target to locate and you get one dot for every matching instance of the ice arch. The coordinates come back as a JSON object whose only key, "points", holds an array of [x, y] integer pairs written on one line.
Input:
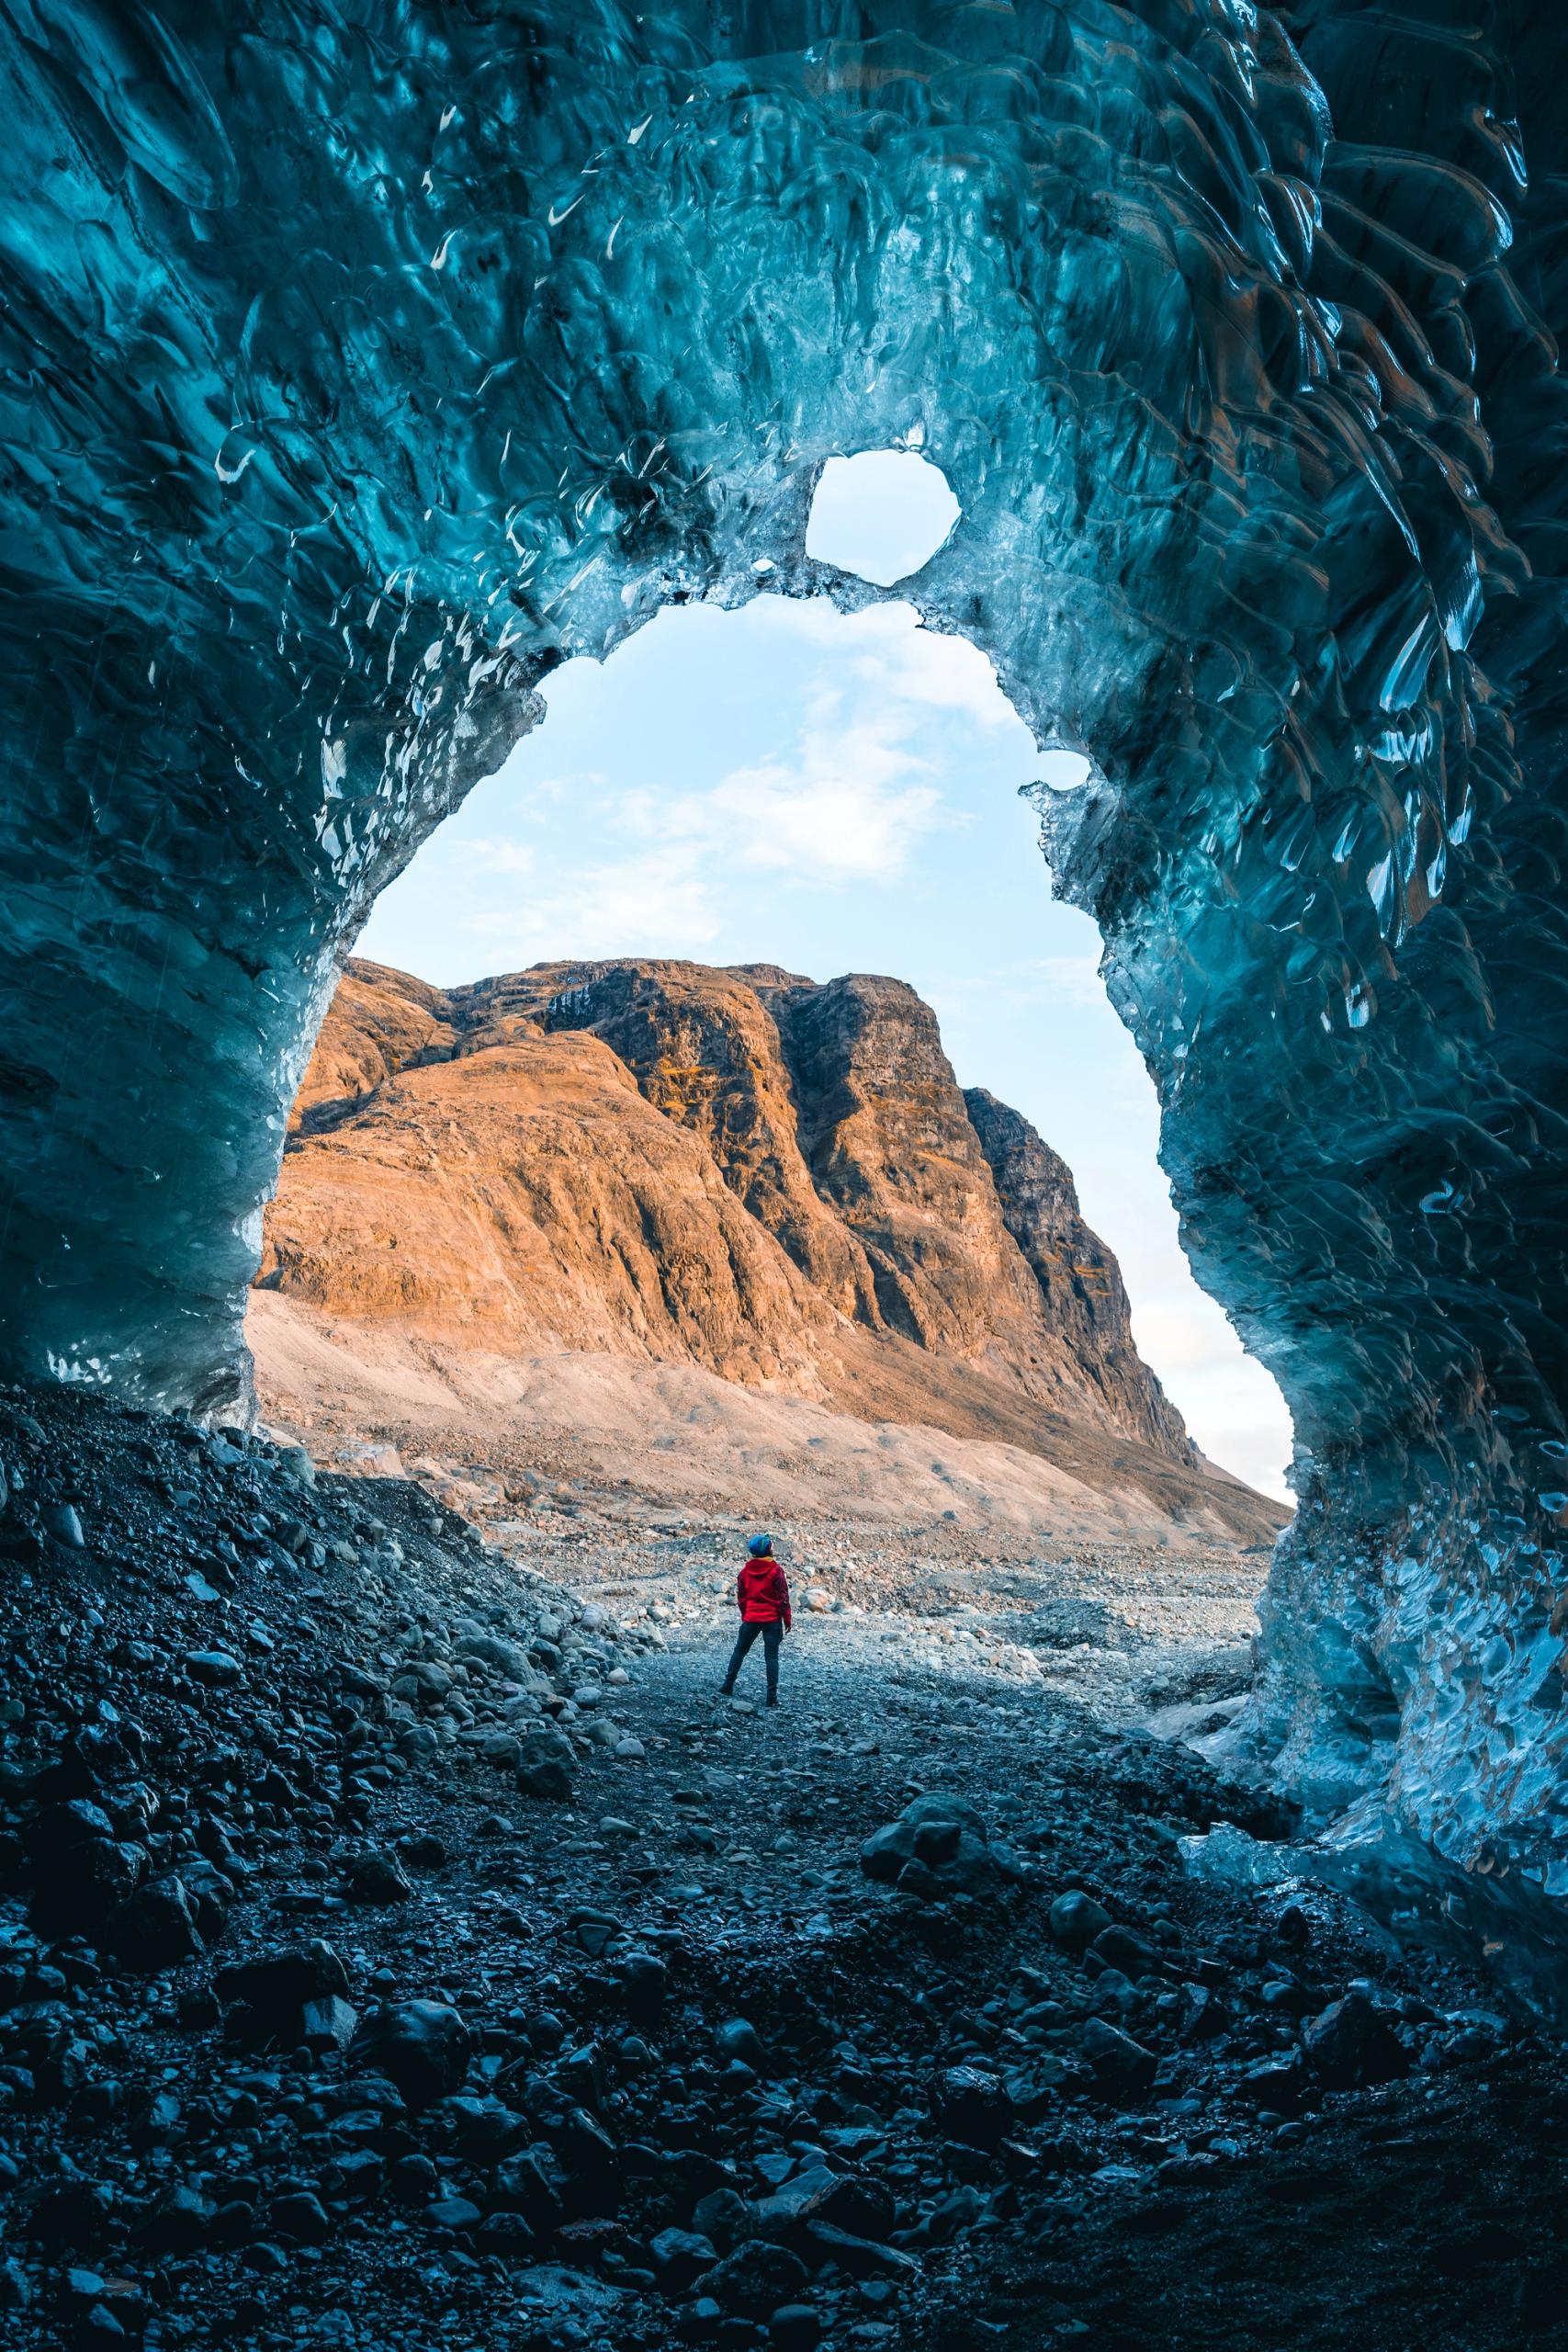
{"points": [[363, 360]]}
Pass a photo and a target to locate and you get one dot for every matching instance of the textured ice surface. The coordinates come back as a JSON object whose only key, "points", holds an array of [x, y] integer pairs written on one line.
{"points": [[363, 360]]}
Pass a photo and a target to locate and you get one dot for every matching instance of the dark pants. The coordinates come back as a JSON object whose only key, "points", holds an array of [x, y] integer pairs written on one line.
{"points": [[771, 1637]]}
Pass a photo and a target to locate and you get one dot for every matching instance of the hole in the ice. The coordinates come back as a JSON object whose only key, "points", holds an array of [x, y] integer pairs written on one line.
{"points": [[1063, 771], [882, 514]]}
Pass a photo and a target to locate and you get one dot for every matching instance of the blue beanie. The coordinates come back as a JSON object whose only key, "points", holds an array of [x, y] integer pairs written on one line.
{"points": [[759, 1545]]}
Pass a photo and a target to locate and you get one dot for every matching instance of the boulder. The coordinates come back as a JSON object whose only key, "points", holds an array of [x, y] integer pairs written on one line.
{"points": [[755, 2279], [530, 2183], [77, 1886], [938, 1846], [423, 2047], [678, 2254], [740, 2039], [181, 2221], [970, 2105], [301, 2218], [1352, 2042], [379, 1878], [159, 1927], [215, 1668], [1124, 2069], [849, 2201], [546, 1765], [297, 1995], [1117, 1946], [1077, 1920], [491, 1649], [1275, 2085], [724, 2216], [645, 1981], [860, 2257]]}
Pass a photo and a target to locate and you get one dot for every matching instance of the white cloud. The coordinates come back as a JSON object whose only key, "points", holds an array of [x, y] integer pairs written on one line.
{"points": [[665, 901], [1066, 980], [889, 656], [495, 854], [850, 806]]}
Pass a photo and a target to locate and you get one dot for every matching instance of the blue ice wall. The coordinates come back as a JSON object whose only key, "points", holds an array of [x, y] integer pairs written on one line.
{"points": [[361, 360]]}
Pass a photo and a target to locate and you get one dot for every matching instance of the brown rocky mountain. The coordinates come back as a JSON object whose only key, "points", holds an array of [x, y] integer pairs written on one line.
{"points": [[774, 1181]]}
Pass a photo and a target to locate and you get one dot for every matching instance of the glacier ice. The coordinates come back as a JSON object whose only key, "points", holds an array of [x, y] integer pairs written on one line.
{"points": [[363, 362]]}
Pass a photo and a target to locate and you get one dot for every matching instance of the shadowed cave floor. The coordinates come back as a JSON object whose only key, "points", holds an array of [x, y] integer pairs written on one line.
{"points": [[257, 1687]]}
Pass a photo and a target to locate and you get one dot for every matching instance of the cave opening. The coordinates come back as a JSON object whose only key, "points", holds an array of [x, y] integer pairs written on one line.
{"points": [[828, 792], [345, 403]]}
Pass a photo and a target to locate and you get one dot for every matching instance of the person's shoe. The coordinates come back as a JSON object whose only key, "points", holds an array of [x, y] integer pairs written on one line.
{"points": [[772, 1701]]}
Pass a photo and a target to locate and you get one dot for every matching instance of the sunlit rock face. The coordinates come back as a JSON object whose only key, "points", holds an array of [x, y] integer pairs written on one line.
{"points": [[361, 363]]}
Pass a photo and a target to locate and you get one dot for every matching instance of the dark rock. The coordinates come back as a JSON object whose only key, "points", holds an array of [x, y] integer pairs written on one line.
{"points": [[851, 2201], [1077, 1920], [412, 2179], [422, 2046], [1124, 2069], [327, 2025], [971, 2106], [453, 2213], [1275, 2084], [678, 2254], [78, 1887], [938, 1846], [294, 1996], [482, 2130], [216, 1667], [61, 1523], [209, 1894], [755, 2279], [235, 2224], [740, 2039], [795, 2328], [530, 2184], [61, 1827], [1352, 2042], [547, 1766], [645, 1981], [861, 2257], [154, 2120], [301, 2218], [724, 2216], [587, 2157], [1203, 2014], [379, 1878], [179, 2222], [70, 2213], [157, 1928], [1120, 1947]]}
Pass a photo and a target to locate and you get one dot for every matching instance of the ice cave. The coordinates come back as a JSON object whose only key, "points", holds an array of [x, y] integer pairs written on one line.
{"points": [[364, 362]]}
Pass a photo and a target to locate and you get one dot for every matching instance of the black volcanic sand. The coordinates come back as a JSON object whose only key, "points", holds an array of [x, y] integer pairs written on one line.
{"points": [[685, 2075]]}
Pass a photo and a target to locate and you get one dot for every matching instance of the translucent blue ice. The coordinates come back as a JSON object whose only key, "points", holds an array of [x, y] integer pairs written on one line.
{"points": [[361, 360]]}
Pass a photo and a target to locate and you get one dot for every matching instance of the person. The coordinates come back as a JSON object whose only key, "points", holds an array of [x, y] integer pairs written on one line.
{"points": [[761, 1596]]}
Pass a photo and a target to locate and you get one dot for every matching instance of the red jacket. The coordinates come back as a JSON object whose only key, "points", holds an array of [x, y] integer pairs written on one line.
{"points": [[761, 1593]]}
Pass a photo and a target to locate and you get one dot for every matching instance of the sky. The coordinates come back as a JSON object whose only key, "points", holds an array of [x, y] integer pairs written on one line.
{"points": [[793, 784]]}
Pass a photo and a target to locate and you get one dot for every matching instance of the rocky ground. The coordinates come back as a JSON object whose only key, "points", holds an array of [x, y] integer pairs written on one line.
{"points": [[402, 1945]]}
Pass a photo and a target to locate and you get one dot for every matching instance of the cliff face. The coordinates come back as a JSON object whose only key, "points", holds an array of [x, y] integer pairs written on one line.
{"points": [[740, 1170], [1080, 1283]]}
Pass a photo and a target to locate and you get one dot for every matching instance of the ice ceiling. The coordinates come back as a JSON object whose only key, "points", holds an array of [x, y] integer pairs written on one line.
{"points": [[364, 360]]}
